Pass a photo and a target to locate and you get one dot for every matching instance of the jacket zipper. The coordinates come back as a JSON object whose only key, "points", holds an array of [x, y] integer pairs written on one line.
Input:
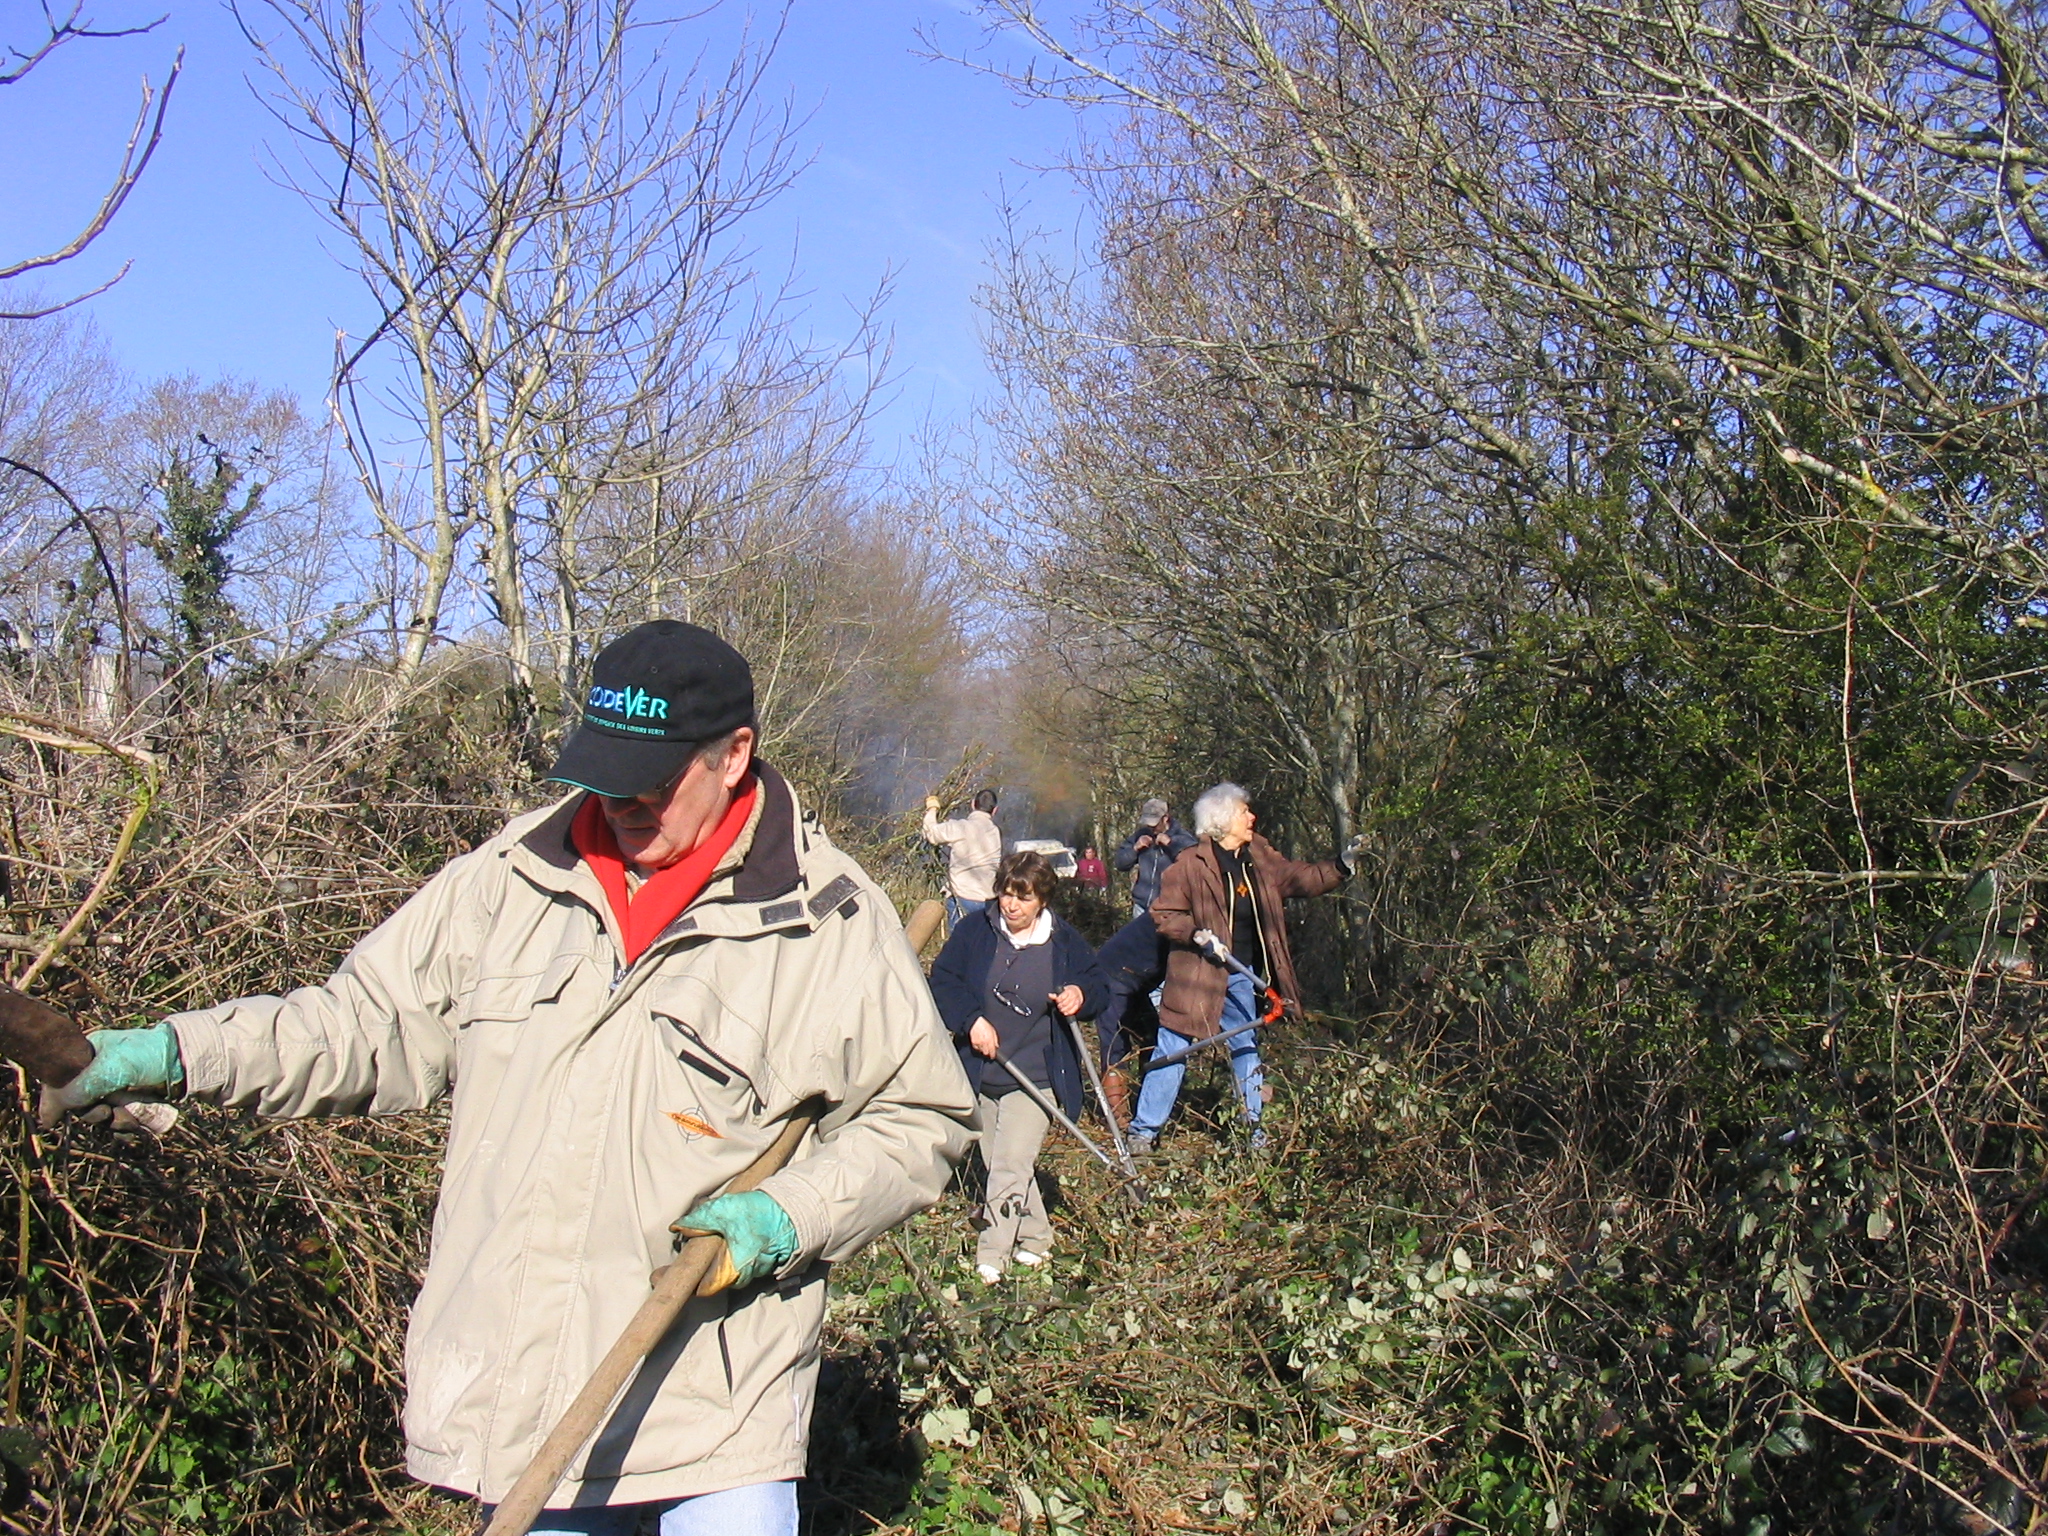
{"points": [[623, 972]]}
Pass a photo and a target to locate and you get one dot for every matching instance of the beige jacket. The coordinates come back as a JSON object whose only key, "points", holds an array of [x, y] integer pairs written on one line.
{"points": [[976, 849], [591, 1105]]}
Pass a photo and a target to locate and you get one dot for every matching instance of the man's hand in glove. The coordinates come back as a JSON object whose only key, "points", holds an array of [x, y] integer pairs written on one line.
{"points": [[126, 1063], [759, 1237], [1210, 945]]}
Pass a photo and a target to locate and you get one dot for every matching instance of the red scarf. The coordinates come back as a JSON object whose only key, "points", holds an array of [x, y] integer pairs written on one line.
{"points": [[664, 894]]}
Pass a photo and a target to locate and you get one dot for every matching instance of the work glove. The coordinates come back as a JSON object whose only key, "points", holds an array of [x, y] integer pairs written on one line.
{"points": [[759, 1237], [126, 1064], [1353, 851], [1210, 945]]}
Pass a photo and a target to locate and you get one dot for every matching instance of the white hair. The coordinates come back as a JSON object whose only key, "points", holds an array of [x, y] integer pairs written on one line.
{"points": [[1215, 807]]}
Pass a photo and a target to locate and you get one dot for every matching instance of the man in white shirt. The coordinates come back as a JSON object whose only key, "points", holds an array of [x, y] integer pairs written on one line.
{"points": [[977, 848]]}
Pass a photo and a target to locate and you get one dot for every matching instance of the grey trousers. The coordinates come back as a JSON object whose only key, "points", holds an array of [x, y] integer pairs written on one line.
{"points": [[1012, 1130]]}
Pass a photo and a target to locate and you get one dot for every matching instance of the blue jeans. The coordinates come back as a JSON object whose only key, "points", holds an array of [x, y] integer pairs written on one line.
{"points": [[1162, 1086], [959, 908], [758, 1509]]}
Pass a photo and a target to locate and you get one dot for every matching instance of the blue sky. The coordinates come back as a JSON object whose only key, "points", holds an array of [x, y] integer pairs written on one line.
{"points": [[232, 275]]}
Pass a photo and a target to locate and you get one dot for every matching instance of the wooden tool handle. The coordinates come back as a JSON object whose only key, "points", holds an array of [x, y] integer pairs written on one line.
{"points": [[46, 1042], [674, 1286], [923, 924]]}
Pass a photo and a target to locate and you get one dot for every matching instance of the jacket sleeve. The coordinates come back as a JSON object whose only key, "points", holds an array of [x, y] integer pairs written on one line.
{"points": [[1181, 841], [1300, 878], [1130, 960], [1126, 855], [1081, 969], [1172, 913], [888, 1150], [942, 832], [374, 1037], [958, 997]]}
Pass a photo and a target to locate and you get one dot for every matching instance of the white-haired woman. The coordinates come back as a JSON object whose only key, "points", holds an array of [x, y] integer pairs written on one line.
{"points": [[1234, 884]]}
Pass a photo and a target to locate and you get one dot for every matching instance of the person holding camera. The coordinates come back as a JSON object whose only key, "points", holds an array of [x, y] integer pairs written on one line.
{"points": [[1151, 850]]}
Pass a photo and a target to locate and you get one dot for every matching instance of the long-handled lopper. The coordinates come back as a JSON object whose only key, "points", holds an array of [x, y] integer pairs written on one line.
{"points": [[673, 1288], [1116, 1132], [1044, 1101], [1214, 947]]}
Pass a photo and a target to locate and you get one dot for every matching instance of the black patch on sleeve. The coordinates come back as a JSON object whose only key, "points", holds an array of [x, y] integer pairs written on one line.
{"points": [[782, 912], [837, 894]]}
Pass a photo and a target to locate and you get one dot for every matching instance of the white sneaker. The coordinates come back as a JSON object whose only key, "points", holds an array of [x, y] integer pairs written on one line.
{"points": [[989, 1273], [1031, 1260]]}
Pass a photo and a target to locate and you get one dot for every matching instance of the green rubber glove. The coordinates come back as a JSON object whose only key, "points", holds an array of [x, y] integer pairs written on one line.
{"points": [[759, 1237], [124, 1061]]}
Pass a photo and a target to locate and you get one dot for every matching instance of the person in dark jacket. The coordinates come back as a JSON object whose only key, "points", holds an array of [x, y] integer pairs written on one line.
{"points": [[1151, 850], [1133, 963], [1007, 983]]}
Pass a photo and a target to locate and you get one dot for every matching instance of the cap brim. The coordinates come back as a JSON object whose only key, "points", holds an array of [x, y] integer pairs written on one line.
{"points": [[620, 766]]}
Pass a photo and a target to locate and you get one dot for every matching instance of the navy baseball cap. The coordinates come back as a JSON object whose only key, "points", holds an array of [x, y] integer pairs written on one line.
{"points": [[657, 693]]}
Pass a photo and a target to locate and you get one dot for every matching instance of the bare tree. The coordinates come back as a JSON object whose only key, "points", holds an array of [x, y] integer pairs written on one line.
{"points": [[544, 215], [21, 60], [1761, 218], [637, 494], [1223, 519], [64, 609]]}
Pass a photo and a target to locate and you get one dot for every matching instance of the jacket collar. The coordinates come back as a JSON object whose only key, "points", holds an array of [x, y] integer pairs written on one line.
{"points": [[771, 867], [764, 892], [1256, 850], [1039, 931]]}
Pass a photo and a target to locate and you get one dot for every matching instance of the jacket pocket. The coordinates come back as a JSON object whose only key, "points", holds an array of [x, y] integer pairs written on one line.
{"points": [[509, 999], [722, 1053]]}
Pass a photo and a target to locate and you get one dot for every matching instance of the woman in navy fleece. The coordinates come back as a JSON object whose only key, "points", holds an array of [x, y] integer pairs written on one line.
{"points": [[1007, 984]]}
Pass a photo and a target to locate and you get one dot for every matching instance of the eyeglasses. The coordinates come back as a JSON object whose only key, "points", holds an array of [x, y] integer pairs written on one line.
{"points": [[1006, 994], [652, 797]]}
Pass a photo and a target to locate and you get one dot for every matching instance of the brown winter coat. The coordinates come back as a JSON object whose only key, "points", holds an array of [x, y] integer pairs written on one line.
{"points": [[1191, 896]]}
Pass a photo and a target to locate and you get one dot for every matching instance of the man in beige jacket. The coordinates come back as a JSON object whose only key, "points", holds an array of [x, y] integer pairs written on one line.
{"points": [[623, 994], [974, 847]]}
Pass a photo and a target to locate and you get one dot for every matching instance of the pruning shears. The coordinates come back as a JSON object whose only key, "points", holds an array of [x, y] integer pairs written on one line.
{"points": [[1217, 950]]}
